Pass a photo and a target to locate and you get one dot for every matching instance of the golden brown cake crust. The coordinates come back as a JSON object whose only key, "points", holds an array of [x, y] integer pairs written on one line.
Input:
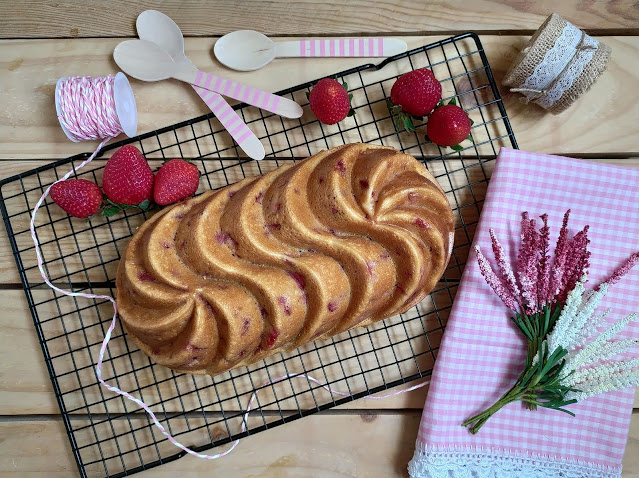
{"points": [[342, 239]]}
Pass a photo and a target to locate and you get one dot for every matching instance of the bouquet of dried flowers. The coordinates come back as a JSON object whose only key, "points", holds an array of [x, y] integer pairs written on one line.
{"points": [[568, 358]]}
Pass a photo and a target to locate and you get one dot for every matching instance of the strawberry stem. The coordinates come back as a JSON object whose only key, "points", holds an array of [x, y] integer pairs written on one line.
{"points": [[112, 208]]}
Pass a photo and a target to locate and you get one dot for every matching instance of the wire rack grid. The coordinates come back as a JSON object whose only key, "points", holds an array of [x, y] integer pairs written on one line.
{"points": [[108, 435]]}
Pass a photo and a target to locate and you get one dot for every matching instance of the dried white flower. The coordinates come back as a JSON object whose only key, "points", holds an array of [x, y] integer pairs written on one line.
{"points": [[618, 381], [557, 338], [601, 373], [590, 367], [569, 347], [590, 353], [576, 331], [592, 326], [612, 348]]}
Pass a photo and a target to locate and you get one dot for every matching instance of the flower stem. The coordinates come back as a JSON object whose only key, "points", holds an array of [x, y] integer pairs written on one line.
{"points": [[533, 349], [477, 421], [537, 386]]}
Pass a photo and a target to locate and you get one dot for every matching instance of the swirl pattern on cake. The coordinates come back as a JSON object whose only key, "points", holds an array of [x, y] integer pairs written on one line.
{"points": [[342, 239]]}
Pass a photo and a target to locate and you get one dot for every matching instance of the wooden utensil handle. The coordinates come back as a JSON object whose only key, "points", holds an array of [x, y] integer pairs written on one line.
{"points": [[248, 94], [237, 128], [341, 47]]}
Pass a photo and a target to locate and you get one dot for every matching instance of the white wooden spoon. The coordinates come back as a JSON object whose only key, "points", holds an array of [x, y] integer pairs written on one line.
{"points": [[160, 29], [148, 61], [248, 50]]}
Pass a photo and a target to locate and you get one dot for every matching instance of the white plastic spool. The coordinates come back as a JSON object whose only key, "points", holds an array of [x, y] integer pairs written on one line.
{"points": [[125, 106]]}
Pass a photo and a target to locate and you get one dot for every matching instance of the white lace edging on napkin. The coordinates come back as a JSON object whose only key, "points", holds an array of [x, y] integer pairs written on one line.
{"points": [[465, 463]]}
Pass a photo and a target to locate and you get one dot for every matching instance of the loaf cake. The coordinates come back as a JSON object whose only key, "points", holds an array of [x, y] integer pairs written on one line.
{"points": [[342, 239]]}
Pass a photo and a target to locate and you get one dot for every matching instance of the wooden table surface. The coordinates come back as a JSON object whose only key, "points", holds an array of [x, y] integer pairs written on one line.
{"points": [[45, 40]]}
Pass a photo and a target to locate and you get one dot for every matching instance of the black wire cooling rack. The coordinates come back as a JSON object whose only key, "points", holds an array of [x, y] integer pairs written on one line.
{"points": [[109, 435]]}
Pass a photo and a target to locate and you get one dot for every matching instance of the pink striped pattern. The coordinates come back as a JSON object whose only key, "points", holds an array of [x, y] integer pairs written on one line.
{"points": [[227, 116], [93, 97], [344, 47], [481, 352], [238, 91]]}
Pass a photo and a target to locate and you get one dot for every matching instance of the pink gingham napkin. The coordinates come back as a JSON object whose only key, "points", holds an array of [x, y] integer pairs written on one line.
{"points": [[481, 354]]}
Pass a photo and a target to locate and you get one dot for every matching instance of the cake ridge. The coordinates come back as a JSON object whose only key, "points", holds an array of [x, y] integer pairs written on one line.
{"points": [[342, 239]]}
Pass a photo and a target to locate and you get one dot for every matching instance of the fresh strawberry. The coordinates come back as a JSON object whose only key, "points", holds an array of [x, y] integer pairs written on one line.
{"points": [[448, 125], [414, 94], [177, 179], [128, 179], [77, 197], [330, 101]]}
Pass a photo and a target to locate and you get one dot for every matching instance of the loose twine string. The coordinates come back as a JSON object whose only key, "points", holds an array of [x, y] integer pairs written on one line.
{"points": [[88, 113]]}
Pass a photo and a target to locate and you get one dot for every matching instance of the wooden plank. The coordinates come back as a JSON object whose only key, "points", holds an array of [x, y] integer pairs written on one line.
{"points": [[288, 137], [37, 19], [73, 251], [25, 386], [631, 458], [308, 447], [29, 127], [84, 248]]}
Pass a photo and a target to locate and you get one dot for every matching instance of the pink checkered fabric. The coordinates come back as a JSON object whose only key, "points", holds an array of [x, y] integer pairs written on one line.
{"points": [[482, 353]]}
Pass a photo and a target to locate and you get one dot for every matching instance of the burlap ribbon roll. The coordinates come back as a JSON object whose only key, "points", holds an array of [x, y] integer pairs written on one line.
{"points": [[558, 65]]}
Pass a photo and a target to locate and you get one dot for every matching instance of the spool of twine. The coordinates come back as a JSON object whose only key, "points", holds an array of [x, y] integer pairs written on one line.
{"points": [[558, 65]]}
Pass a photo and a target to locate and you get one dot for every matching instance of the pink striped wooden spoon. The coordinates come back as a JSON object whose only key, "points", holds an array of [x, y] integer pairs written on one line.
{"points": [[248, 50], [148, 61], [156, 27]]}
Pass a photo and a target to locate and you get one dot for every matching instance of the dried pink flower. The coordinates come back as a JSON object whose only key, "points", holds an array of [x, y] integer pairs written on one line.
{"points": [[506, 272], [543, 271], [527, 262], [623, 269], [495, 282], [576, 264], [558, 291], [560, 259], [541, 282]]}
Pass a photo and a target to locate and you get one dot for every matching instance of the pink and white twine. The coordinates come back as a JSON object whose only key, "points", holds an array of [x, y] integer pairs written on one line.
{"points": [[88, 113]]}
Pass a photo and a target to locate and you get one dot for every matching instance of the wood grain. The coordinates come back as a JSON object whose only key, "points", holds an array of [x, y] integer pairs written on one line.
{"points": [[331, 444], [25, 384], [29, 69], [322, 446], [51, 19], [74, 252], [81, 246]]}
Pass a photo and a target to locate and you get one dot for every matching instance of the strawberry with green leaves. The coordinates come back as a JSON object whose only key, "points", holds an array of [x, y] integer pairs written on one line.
{"points": [[77, 197], [330, 101], [449, 125], [176, 180], [127, 181], [413, 96]]}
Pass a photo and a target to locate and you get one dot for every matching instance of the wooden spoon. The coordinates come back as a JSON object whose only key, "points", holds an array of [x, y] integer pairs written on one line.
{"points": [[148, 61], [160, 29], [248, 50]]}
